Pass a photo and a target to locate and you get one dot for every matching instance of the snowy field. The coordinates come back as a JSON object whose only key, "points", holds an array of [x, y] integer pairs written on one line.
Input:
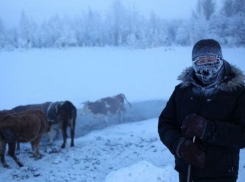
{"points": [[119, 152], [81, 74]]}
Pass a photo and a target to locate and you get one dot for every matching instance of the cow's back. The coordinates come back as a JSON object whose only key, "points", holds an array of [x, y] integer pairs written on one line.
{"points": [[67, 109], [43, 107], [6, 112], [26, 125], [105, 106]]}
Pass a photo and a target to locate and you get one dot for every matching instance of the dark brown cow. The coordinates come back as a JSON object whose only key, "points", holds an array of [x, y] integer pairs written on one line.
{"points": [[27, 126], [105, 107], [61, 114], [64, 115]]}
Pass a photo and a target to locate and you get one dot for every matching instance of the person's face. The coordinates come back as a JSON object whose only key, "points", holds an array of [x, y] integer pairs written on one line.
{"points": [[206, 60]]}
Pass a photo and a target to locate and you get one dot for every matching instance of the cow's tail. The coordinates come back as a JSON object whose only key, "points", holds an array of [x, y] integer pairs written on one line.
{"points": [[126, 99], [73, 117]]}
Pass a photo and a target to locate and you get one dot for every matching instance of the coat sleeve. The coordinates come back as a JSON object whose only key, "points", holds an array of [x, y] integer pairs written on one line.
{"points": [[169, 132], [228, 134]]}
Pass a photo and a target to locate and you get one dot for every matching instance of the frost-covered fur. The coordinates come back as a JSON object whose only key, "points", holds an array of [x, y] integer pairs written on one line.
{"points": [[234, 80]]}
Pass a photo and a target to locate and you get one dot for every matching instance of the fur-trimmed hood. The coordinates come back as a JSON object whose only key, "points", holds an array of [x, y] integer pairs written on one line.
{"points": [[233, 78]]}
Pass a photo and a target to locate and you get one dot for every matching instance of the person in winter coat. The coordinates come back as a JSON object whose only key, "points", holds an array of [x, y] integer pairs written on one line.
{"points": [[203, 123]]}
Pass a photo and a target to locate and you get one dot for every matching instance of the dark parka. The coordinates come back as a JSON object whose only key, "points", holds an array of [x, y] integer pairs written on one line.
{"points": [[223, 106]]}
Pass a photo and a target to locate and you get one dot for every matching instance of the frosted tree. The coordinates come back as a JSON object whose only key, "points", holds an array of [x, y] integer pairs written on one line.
{"points": [[183, 33], [52, 32], [204, 8], [233, 7], [239, 6], [227, 8], [208, 8], [92, 31], [68, 37], [27, 31], [116, 21], [154, 32], [24, 31], [2, 34]]}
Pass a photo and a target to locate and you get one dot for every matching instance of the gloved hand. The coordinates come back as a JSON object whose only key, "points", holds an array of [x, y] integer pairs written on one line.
{"points": [[192, 153], [193, 125]]}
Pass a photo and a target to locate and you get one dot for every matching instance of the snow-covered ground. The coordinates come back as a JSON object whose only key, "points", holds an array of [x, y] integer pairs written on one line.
{"points": [[129, 152], [94, 155], [80, 74]]}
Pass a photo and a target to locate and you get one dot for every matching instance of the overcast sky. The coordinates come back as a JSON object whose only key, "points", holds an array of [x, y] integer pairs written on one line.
{"points": [[39, 10]]}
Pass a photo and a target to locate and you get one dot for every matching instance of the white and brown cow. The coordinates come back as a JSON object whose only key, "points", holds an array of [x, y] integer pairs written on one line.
{"points": [[27, 126], [105, 107]]}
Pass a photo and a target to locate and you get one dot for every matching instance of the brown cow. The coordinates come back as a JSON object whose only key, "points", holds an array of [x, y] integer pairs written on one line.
{"points": [[6, 112], [27, 126], [61, 114], [43, 107], [105, 107]]}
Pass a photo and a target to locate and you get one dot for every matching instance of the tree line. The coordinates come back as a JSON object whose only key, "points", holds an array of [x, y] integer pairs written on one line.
{"points": [[122, 26]]}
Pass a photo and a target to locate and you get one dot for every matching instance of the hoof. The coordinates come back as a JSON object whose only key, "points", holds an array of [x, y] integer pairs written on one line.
{"points": [[63, 146], [6, 166], [37, 157], [20, 165], [50, 143]]}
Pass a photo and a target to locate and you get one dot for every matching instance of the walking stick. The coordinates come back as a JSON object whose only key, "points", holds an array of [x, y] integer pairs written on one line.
{"points": [[189, 166]]}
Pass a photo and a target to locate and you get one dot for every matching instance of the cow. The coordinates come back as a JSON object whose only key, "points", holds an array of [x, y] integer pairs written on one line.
{"points": [[43, 107], [27, 126], [61, 114], [7, 112], [64, 115], [105, 107]]}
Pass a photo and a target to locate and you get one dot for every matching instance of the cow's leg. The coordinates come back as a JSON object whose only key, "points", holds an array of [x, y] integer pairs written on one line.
{"points": [[2, 152], [106, 120], [92, 121], [123, 113], [18, 145], [35, 147], [52, 135], [64, 134], [119, 114], [11, 152], [72, 129]]}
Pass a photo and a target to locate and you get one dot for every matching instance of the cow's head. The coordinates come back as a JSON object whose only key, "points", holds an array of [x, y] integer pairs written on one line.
{"points": [[48, 128], [86, 108]]}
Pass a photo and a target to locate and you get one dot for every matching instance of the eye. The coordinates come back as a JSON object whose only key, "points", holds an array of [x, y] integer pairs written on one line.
{"points": [[201, 61]]}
